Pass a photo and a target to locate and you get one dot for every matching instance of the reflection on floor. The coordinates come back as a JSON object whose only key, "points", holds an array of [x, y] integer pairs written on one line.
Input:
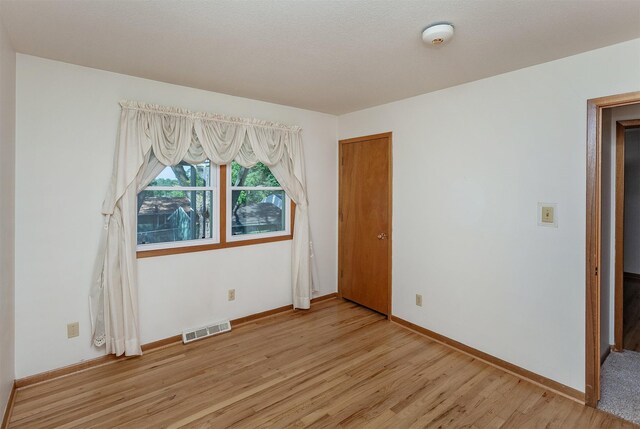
{"points": [[631, 323], [620, 385]]}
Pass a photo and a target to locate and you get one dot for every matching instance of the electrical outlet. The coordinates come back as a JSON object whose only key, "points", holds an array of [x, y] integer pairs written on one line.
{"points": [[231, 295], [419, 300], [73, 329]]}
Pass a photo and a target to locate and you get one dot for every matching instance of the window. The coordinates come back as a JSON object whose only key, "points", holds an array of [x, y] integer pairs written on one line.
{"points": [[257, 206], [179, 207], [187, 208]]}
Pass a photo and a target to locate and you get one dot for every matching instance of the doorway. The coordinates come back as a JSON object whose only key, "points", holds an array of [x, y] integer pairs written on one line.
{"points": [[364, 221], [594, 211], [627, 237], [620, 363]]}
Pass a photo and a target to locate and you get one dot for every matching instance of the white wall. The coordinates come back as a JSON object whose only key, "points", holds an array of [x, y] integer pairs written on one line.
{"points": [[632, 200], [67, 119], [470, 165], [7, 227], [608, 275]]}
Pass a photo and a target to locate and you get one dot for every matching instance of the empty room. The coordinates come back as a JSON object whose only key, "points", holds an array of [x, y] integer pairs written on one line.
{"points": [[319, 213]]}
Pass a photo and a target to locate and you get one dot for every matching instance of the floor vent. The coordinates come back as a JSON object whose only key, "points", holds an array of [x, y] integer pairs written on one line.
{"points": [[205, 331]]}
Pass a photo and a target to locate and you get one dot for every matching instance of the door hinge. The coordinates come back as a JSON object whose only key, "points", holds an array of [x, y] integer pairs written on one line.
{"points": [[596, 271], [341, 272], [340, 217], [342, 160]]}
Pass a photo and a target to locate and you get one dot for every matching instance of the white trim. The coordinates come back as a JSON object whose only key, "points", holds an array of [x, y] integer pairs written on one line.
{"points": [[177, 244], [179, 188], [256, 188], [246, 237]]}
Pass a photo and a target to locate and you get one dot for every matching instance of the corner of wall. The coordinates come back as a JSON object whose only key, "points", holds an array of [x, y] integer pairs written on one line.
{"points": [[7, 216]]}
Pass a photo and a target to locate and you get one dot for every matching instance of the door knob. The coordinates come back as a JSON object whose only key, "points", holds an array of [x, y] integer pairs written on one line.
{"points": [[382, 236]]}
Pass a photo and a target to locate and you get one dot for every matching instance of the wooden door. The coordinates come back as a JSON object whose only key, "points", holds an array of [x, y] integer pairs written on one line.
{"points": [[364, 223]]}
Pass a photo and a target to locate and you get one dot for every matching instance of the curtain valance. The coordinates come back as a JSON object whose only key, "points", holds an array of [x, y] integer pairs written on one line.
{"points": [[151, 137]]}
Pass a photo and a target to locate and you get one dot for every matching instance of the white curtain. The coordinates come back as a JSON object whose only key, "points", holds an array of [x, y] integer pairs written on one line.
{"points": [[152, 137]]}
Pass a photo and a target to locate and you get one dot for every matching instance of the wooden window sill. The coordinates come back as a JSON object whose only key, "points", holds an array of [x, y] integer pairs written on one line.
{"points": [[189, 249]]}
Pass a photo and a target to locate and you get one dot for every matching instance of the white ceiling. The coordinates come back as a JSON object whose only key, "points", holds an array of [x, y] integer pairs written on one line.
{"points": [[327, 55]]}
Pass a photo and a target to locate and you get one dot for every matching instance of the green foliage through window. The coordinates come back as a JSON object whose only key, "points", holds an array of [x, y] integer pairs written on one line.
{"points": [[258, 175], [255, 211]]}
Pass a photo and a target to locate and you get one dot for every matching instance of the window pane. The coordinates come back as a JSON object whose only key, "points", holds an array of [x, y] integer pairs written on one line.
{"points": [[254, 212], [168, 216], [184, 174], [258, 175]]}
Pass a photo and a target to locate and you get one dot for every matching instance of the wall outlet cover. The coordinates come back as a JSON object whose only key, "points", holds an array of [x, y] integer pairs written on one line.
{"points": [[419, 300], [548, 214], [231, 295], [73, 330]]}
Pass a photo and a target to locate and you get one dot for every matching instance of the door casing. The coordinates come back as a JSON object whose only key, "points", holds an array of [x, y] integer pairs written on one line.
{"points": [[593, 255]]}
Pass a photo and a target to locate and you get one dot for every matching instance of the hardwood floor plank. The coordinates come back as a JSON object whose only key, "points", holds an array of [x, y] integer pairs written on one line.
{"points": [[336, 365]]}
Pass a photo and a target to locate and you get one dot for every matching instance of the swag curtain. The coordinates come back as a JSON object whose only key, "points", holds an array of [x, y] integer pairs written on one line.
{"points": [[152, 137]]}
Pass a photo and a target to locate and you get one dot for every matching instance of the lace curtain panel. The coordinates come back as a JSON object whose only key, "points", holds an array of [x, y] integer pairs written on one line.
{"points": [[152, 137]]}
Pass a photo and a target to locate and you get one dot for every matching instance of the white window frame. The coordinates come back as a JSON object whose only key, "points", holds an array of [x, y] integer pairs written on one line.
{"points": [[214, 187], [229, 216]]}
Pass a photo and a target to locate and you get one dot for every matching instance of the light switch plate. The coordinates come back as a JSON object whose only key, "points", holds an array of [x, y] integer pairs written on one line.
{"points": [[419, 300], [548, 214]]}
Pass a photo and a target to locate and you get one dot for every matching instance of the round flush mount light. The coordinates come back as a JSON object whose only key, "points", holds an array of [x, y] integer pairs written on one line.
{"points": [[437, 34]]}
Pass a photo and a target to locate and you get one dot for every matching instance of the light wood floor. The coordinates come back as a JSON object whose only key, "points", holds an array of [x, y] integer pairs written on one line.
{"points": [[631, 314], [337, 365]]}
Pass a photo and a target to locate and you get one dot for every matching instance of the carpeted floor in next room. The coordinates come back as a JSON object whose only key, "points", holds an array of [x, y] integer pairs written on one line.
{"points": [[620, 385]]}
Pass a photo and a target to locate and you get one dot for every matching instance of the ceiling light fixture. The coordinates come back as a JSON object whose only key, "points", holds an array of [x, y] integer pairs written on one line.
{"points": [[437, 34]]}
